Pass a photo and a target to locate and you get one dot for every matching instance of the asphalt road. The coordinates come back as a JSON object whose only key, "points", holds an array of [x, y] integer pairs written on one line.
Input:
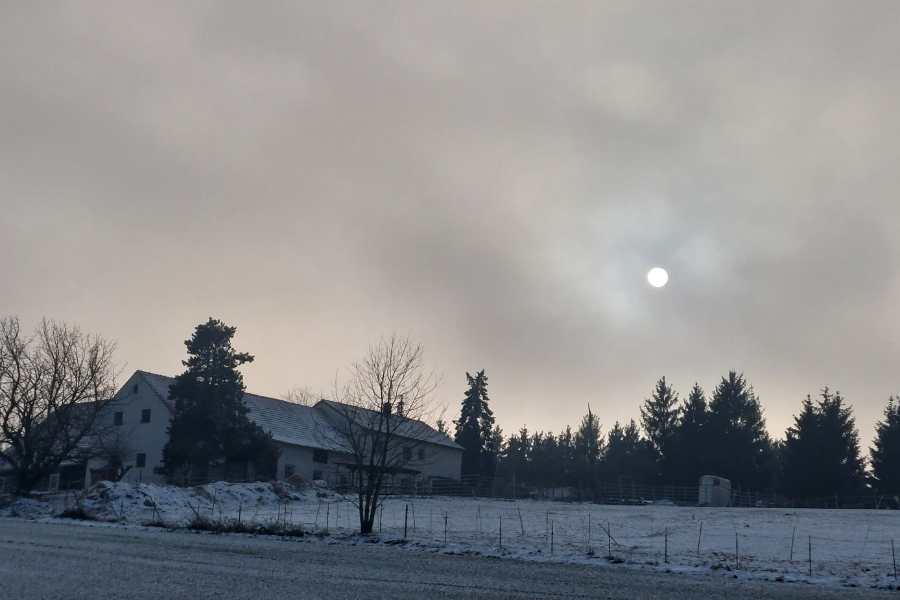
{"points": [[50, 561]]}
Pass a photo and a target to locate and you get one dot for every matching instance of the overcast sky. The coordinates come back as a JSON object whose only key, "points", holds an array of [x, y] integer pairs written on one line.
{"points": [[492, 179]]}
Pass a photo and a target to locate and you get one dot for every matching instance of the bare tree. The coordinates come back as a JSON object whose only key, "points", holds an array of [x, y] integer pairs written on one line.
{"points": [[301, 395], [110, 444], [378, 420], [53, 385]]}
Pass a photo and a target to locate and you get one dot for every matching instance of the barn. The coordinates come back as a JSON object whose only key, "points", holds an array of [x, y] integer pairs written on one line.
{"points": [[140, 412]]}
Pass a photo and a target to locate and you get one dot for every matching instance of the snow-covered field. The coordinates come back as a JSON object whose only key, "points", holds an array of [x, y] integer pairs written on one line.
{"points": [[849, 547]]}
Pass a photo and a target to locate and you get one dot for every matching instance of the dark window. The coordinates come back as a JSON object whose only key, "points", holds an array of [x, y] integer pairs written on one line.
{"points": [[421, 453], [134, 390], [320, 456], [317, 475], [118, 418], [407, 453], [288, 471], [140, 461], [145, 415]]}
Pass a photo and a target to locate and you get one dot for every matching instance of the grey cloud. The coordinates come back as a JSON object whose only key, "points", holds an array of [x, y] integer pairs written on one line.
{"points": [[493, 179]]}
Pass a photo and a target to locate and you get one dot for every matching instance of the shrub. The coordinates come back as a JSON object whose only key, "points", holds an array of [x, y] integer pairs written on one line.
{"points": [[78, 513]]}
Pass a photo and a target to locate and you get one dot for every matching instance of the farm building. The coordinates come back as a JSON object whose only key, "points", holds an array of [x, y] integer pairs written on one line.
{"points": [[307, 436]]}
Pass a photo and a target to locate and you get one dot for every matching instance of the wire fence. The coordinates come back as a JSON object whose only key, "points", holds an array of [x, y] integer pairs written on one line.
{"points": [[853, 547], [619, 493]]}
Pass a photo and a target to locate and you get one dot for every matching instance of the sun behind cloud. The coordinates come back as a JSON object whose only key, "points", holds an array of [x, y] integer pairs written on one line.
{"points": [[657, 277]]}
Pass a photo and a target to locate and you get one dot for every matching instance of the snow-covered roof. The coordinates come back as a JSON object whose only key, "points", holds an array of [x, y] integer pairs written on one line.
{"points": [[409, 428], [296, 424], [292, 423]]}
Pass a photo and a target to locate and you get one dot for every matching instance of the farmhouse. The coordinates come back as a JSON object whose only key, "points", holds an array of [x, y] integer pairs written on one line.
{"points": [[311, 446]]}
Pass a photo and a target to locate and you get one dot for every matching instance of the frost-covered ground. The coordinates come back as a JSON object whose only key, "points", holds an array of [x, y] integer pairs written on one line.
{"points": [[849, 547]]}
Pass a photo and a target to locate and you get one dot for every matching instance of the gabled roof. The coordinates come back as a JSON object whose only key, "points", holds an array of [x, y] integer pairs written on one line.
{"points": [[409, 428], [159, 384], [293, 423], [300, 425]]}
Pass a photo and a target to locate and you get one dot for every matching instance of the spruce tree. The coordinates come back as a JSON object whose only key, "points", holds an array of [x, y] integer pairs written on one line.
{"points": [[628, 456], [800, 453], [690, 444], [588, 450], [840, 457], [821, 455], [210, 426], [885, 451], [740, 448], [486, 429], [659, 417], [491, 456], [565, 443], [515, 456], [474, 426]]}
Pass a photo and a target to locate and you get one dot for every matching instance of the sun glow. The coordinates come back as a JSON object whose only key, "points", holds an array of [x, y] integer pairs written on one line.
{"points": [[657, 277]]}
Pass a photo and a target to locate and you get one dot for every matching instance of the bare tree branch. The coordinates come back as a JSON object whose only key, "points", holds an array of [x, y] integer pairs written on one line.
{"points": [[301, 395], [53, 385], [379, 418]]}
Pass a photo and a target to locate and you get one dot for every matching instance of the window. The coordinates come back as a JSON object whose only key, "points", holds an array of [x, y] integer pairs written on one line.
{"points": [[289, 471], [421, 453], [320, 456], [145, 415], [317, 475], [134, 390], [407, 453], [140, 461], [118, 418]]}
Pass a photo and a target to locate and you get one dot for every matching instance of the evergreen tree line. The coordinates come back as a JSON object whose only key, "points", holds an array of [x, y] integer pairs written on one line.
{"points": [[678, 440]]}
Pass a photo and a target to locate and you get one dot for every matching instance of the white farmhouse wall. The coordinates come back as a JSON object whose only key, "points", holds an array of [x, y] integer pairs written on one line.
{"points": [[303, 461], [138, 438], [142, 392], [438, 461]]}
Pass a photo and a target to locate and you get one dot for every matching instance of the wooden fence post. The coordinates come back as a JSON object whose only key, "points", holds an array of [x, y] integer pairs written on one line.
{"points": [[551, 537], [666, 551], [810, 556], [699, 536], [609, 539], [894, 558], [405, 520], [793, 537]]}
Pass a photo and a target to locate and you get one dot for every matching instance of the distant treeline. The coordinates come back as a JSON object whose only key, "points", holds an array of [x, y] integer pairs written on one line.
{"points": [[677, 441]]}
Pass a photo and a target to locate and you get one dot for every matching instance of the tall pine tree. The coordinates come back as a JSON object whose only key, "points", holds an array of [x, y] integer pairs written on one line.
{"points": [[885, 450], [740, 447], [588, 451], [799, 454], [821, 455], [691, 448], [489, 450], [628, 456], [659, 417], [474, 428], [839, 457], [209, 427], [515, 456]]}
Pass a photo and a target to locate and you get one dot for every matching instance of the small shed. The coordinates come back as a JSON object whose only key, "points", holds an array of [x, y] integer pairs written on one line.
{"points": [[714, 491]]}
